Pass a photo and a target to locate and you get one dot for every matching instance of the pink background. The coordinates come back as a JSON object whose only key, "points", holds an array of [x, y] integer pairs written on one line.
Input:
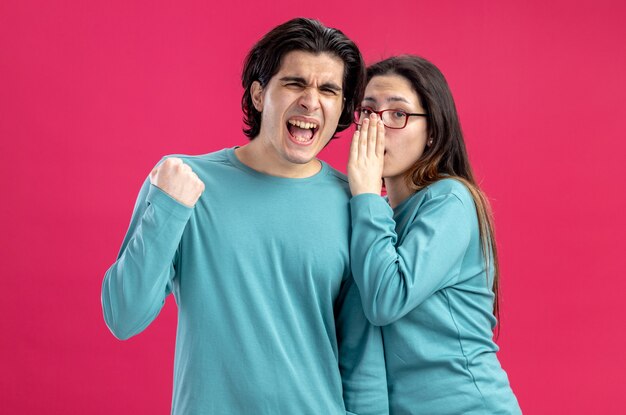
{"points": [[92, 94]]}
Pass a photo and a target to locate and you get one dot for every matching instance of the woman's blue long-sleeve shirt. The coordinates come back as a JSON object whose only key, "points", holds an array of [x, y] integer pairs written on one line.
{"points": [[421, 274]]}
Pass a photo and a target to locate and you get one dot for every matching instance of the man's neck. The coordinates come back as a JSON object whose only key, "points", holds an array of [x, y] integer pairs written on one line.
{"points": [[256, 156]]}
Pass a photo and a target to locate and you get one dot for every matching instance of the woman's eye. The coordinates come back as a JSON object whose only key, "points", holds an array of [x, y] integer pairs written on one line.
{"points": [[366, 111], [399, 114]]}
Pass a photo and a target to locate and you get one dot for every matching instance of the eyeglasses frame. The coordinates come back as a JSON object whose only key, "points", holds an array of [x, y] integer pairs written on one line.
{"points": [[380, 114]]}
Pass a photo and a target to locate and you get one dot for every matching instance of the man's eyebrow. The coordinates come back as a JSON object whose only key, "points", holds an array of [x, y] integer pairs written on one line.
{"points": [[302, 81], [331, 85], [297, 79]]}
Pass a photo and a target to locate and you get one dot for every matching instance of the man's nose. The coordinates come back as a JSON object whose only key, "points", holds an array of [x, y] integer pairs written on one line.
{"points": [[310, 99]]}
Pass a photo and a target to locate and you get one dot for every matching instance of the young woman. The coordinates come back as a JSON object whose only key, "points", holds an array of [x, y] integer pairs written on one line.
{"points": [[424, 258]]}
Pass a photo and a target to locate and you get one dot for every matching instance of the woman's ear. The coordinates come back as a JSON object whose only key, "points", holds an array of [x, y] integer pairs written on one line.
{"points": [[256, 92]]}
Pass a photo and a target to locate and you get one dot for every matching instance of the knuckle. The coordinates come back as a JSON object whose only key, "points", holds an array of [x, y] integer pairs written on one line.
{"points": [[174, 162], [169, 164]]}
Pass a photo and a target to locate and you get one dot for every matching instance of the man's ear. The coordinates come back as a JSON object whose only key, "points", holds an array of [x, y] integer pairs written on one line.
{"points": [[256, 92]]}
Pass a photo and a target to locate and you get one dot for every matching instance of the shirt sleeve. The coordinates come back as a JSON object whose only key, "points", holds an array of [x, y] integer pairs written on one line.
{"points": [[136, 285], [361, 356], [393, 278]]}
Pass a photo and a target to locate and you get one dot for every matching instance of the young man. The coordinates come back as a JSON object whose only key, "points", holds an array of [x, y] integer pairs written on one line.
{"points": [[253, 243]]}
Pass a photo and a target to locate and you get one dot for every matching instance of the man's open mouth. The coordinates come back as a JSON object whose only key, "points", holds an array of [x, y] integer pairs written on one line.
{"points": [[302, 131]]}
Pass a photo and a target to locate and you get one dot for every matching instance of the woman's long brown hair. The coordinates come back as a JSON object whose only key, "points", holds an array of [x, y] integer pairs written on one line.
{"points": [[446, 157]]}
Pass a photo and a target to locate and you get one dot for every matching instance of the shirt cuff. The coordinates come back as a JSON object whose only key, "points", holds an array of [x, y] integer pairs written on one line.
{"points": [[368, 205], [167, 203]]}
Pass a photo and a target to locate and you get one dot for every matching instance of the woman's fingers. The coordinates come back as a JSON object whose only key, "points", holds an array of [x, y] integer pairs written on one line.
{"points": [[365, 164], [372, 135], [380, 142], [368, 141], [364, 132], [354, 146]]}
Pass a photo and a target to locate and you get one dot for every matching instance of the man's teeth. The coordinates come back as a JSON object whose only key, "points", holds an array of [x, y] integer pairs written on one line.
{"points": [[302, 124]]}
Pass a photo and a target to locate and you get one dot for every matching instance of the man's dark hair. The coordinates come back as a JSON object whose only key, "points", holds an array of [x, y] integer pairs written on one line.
{"points": [[307, 35]]}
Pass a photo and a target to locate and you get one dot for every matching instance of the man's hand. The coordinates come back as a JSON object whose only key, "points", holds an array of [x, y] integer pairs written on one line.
{"points": [[367, 153], [177, 180]]}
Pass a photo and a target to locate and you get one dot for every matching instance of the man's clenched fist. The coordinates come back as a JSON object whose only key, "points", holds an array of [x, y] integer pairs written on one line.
{"points": [[177, 180]]}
